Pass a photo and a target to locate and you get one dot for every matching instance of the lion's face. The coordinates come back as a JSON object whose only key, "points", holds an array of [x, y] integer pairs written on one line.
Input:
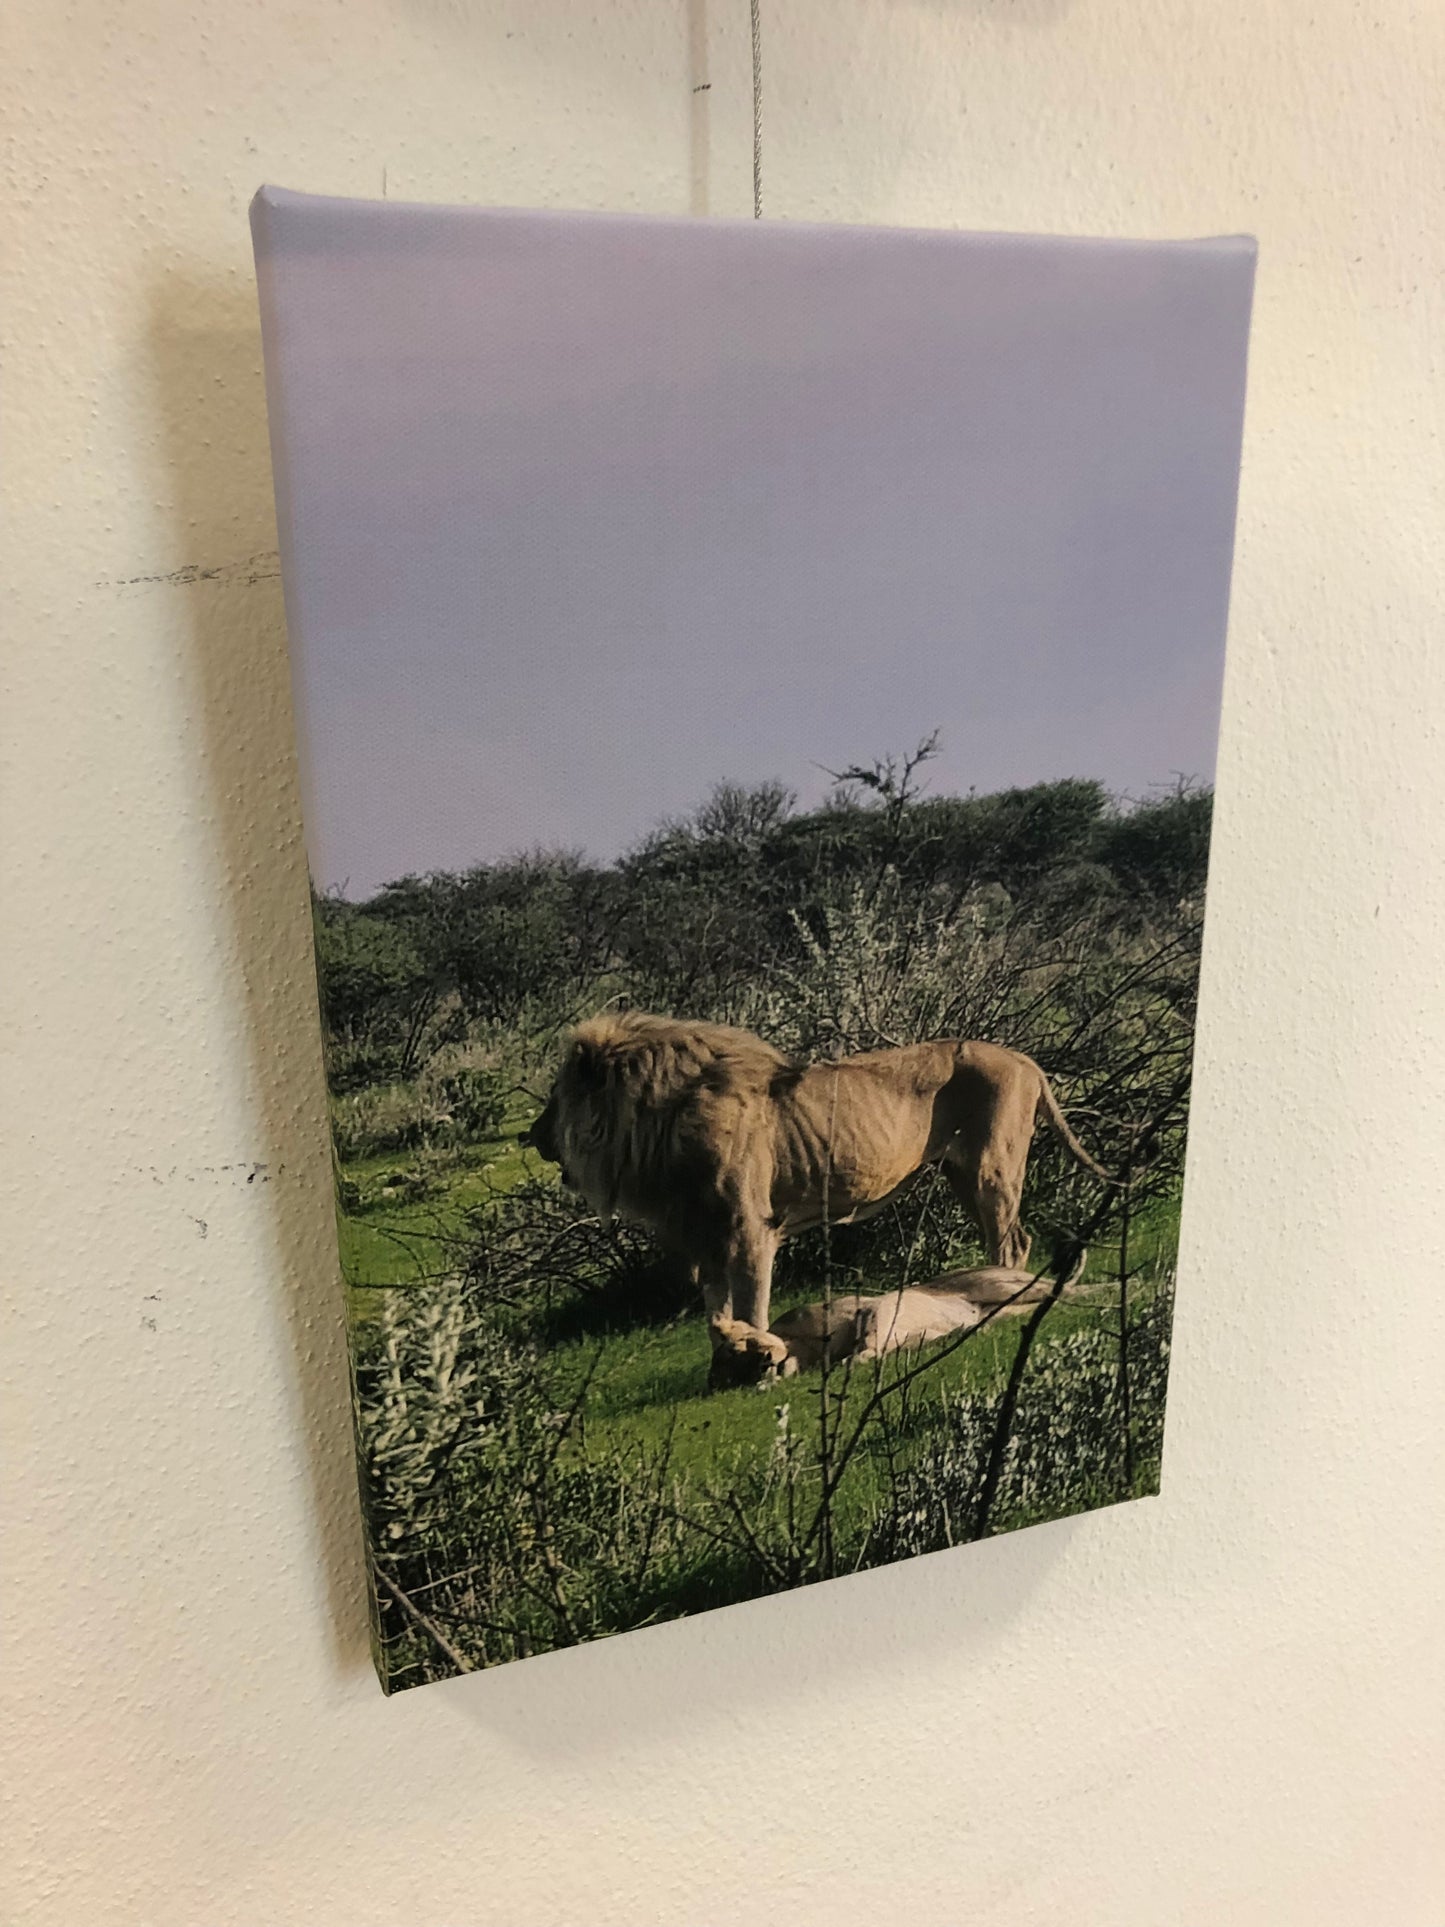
{"points": [[541, 1133], [573, 1128], [545, 1136]]}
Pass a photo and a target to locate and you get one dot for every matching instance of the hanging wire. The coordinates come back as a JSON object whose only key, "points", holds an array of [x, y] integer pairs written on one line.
{"points": [[757, 25]]}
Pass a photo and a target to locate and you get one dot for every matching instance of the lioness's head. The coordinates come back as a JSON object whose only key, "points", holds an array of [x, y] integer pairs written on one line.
{"points": [[743, 1355]]}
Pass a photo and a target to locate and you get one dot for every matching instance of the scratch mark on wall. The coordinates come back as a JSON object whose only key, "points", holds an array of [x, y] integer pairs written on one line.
{"points": [[238, 1173], [265, 566]]}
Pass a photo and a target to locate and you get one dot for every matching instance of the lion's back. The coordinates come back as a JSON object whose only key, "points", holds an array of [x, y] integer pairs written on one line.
{"points": [[659, 1059]]}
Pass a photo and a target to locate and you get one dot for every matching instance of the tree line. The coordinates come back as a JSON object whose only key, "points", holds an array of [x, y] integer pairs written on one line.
{"points": [[747, 892]]}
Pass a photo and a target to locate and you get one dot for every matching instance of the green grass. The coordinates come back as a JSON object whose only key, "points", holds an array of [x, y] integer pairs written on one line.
{"points": [[645, 1393], [392, 1238], [645, 1386], [737, 1475]]}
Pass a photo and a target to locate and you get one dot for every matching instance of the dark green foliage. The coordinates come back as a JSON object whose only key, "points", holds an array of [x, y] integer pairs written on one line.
{"points": [[505, 939], [376, 993], [537, 1260], [708, 908], [1160, 850]]}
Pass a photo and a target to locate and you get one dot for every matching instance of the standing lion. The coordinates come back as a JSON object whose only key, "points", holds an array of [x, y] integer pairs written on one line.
{"points": [[723, 1147]]}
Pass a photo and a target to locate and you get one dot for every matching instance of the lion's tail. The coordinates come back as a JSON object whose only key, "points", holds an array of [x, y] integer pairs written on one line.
{"points": [[1049, 1109]]}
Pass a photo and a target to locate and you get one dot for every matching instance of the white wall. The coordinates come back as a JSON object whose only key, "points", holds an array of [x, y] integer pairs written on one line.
{"points": [[1222, 1706]]}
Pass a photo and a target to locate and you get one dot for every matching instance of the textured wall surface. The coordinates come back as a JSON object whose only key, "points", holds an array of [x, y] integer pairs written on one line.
{"points": [[1221, 1706]]}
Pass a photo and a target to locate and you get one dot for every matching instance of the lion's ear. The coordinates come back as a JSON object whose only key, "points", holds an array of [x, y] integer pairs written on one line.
{"points": [[589, 1065]]}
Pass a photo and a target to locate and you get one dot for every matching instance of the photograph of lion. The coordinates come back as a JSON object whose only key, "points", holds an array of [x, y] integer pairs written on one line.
{"points": [[722, 1146], [757, 690]]}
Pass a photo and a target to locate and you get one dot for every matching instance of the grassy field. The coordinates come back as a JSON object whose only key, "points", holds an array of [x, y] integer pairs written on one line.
{"points": [[637, 1388]]}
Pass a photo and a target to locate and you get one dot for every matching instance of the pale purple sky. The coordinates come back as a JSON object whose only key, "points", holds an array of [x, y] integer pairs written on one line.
{"points": [[583, 513]]}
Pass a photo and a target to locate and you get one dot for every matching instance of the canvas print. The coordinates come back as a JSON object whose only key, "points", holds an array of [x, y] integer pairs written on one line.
{"points": [[757, 689]]}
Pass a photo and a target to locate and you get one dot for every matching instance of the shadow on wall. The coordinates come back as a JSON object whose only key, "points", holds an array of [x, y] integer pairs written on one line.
{"points": [[868, 1638], [206, 361]]}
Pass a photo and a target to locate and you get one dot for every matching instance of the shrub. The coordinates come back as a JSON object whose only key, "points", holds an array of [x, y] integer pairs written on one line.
{"points": [[483, 1510], [1066, 1451], [540, 1255], [473, 1101], [443, 1108]]}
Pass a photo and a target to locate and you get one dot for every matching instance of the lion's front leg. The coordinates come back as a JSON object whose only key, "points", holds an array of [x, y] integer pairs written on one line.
{"points": [[738, 1291], [717, 1304], [748, 1273], [712, 1281]]}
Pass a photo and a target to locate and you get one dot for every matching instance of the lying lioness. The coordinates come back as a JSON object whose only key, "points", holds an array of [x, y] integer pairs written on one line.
{"points": [[870, 1327]]}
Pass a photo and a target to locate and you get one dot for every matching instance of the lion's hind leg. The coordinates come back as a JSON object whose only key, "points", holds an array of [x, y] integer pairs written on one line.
{"points": [[992, 1195], [1001, 1191]]}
